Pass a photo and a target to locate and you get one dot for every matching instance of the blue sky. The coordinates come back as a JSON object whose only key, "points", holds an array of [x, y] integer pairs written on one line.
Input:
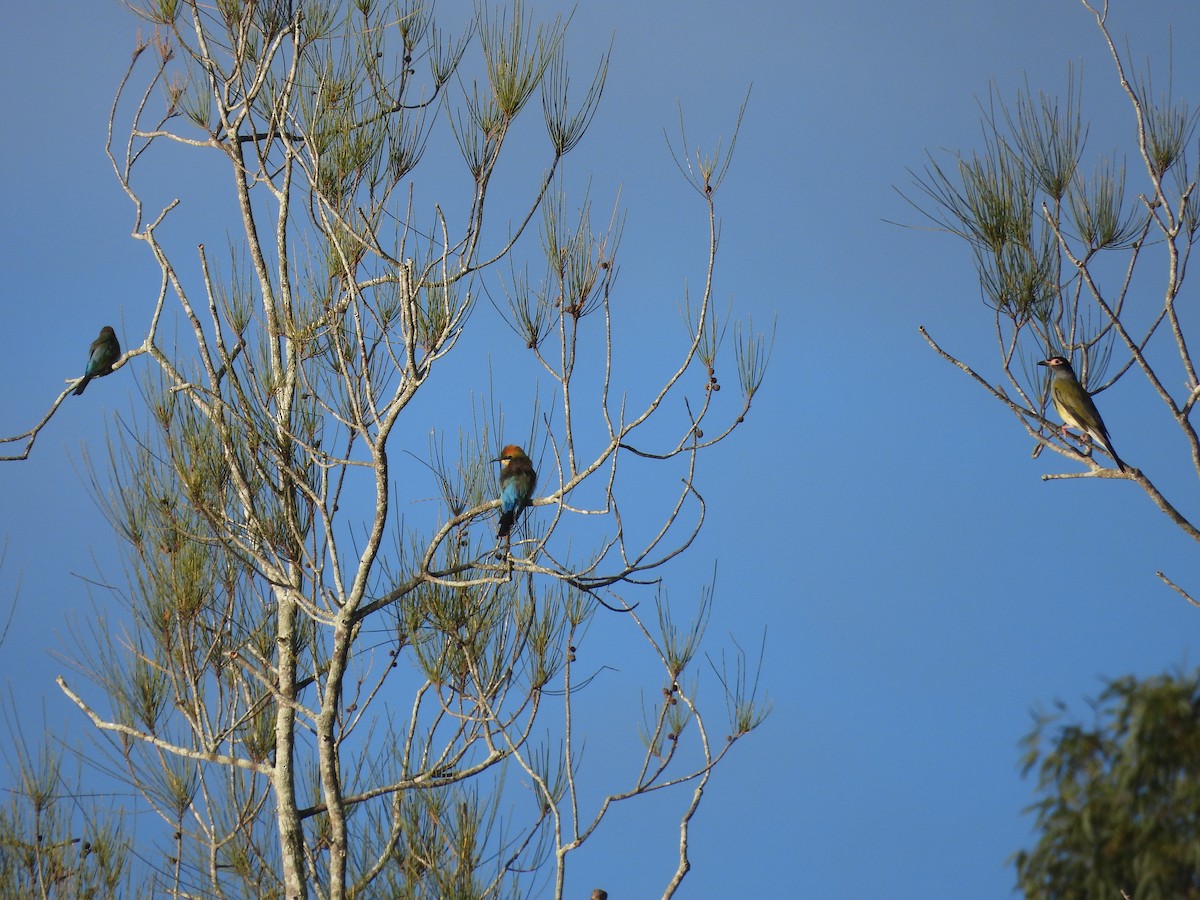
{"points": [[921, 587]]}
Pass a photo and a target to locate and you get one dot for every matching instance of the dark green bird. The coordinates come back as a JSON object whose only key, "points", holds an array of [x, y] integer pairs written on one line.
{"points": [[1075, 405], [105, 351]]}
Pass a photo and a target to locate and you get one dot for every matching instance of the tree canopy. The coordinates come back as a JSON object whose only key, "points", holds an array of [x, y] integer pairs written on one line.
{"points": [[1119, 794], [328, 674]]}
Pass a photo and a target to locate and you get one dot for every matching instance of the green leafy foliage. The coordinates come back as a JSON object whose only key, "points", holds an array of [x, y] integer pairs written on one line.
{"points": [[1119, 806]]}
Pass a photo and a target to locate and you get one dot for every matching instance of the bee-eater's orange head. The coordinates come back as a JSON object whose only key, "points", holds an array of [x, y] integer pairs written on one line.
{"points": [[509, 453]]}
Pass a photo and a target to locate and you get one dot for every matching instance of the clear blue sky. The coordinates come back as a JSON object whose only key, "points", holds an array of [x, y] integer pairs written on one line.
{"points": [[921, 587]]}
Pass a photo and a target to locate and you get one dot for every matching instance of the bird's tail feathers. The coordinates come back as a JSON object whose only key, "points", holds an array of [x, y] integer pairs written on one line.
{"points": [[506, 522], [1113, 453], [1102, 439]]}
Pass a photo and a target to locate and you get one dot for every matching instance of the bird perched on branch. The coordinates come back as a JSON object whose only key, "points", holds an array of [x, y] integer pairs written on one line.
{"points": [[105, 351], [1075, 405], [517, 481]]}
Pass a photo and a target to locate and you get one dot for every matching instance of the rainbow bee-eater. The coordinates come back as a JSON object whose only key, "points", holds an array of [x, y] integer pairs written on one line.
{"points": [[1075, 405], [517, 481], [105, 351]]}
